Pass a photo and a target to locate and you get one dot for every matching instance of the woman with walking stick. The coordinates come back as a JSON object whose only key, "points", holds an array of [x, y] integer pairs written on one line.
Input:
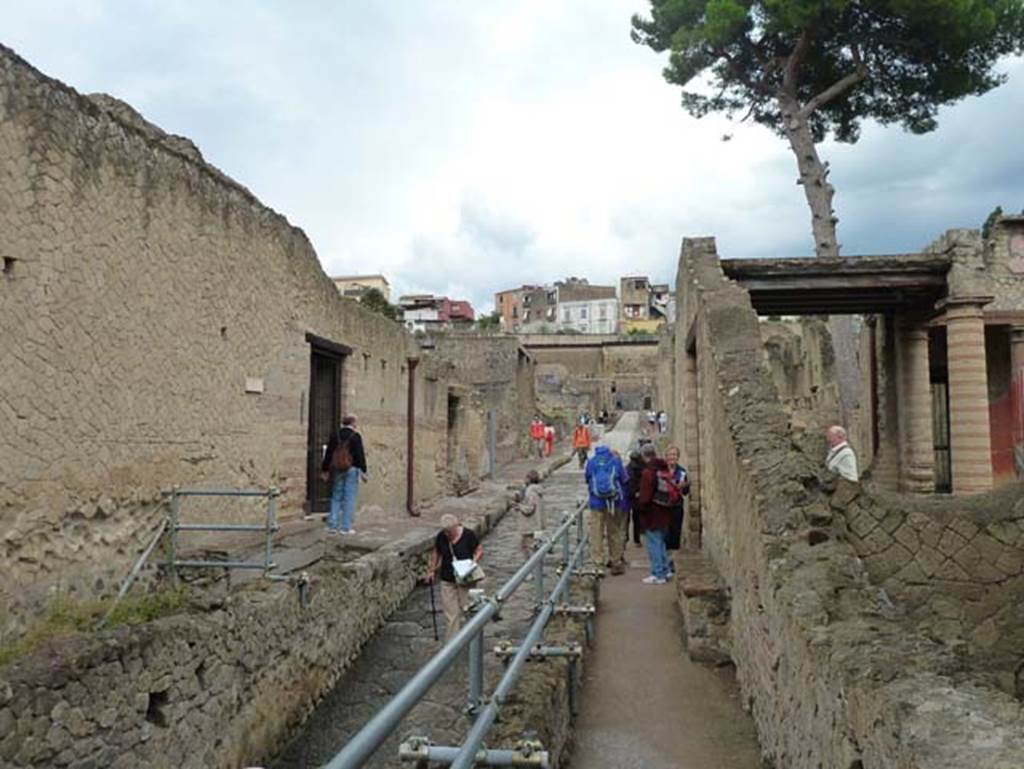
{"points": [[454, 543]]}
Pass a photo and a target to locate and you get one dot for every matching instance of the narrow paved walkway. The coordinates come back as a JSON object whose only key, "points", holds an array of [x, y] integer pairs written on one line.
{"points": [[645, 705], [406, 642]]}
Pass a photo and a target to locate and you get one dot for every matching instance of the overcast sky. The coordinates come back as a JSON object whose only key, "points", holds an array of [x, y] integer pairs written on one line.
{"points": [[466, 147]]}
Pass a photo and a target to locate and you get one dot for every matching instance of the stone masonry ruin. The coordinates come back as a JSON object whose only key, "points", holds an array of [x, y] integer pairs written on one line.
{"points": [[868, 629], [163, 327]]}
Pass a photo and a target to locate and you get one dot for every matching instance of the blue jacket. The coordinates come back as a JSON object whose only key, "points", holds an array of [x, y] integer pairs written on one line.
{"points": [[621, 479]]}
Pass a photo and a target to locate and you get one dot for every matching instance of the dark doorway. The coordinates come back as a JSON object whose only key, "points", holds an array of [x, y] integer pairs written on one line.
{"points": [[648, 403], [324, 418], [937, 351], [940, 431]]}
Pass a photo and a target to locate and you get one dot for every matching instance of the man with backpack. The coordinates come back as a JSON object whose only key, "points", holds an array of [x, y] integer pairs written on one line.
{"points": [[659, 494], [344, 464], [606, 480]]}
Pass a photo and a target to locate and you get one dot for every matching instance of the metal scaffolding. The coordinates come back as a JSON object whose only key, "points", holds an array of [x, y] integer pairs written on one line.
{"points": [[527, 753]]}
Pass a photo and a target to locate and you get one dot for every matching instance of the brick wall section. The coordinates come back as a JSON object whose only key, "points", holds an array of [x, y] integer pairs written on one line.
{"points": [[146, 287], [832, 679]]}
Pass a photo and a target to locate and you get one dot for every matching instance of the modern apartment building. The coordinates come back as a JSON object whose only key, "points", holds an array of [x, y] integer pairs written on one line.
{"points": [[356, 285], [427, 312]]}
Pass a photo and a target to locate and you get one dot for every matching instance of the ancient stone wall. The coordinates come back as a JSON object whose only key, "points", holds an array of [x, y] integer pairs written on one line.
{"points": [[985, 268], [833, 675], [802, 362], [503, 373], [578, 373], [222, 685], [218, 689], [953, 565], [155, 320]]}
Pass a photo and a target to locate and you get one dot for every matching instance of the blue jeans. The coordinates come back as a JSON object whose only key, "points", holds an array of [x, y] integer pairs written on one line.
{"points": [[654, 539], [344, 490]]}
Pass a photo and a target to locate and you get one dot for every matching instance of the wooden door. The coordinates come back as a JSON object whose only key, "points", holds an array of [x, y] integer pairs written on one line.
{"points": [[324, 418]]}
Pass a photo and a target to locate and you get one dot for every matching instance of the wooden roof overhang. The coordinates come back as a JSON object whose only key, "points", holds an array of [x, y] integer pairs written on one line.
{"points": [[845, 285]]}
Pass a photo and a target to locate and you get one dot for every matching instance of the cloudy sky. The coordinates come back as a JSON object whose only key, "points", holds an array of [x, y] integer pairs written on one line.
{"points": [[465, 147]]}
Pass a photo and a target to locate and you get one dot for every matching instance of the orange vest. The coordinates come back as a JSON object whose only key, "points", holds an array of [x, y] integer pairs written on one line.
{"points": [[581, 437]]}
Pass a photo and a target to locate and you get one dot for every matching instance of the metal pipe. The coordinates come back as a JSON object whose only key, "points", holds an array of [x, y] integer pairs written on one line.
{"points": [[410, 439], [476, 672], [127, 583], [268, 553], [483, 723], [376, 731], [538, 583], [176, 492], [172, 554], [387, 719], [524, 571], [437, 754], [565, 548]]}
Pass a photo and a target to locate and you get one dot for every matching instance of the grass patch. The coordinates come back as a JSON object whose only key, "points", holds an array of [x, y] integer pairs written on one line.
{"points": [[65, 617]]}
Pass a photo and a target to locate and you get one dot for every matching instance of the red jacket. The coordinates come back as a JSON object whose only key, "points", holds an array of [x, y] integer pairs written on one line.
{"points": [[536, 429], [652, 515]]}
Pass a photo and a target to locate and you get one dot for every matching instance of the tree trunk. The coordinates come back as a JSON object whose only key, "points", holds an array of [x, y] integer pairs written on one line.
{"points": [[813, 177]]}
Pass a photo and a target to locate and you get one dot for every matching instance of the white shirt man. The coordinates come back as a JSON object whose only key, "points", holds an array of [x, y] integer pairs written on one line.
{"points": [[841, 458]]}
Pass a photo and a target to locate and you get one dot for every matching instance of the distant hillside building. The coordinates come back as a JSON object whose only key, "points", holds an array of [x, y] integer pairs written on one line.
{"points": [[645, 306], [529, 307], [572, 304], [585, 308], [357, 285], [426, 312]]}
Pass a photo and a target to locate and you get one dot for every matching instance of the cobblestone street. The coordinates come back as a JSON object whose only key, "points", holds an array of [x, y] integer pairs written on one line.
{"points": [[406, 642]]}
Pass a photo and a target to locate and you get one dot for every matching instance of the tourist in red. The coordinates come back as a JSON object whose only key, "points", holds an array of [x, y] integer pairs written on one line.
{"points": [[549, 440], [537, 435]]}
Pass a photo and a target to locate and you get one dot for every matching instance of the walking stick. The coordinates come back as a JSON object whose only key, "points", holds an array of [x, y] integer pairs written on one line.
{"points": [[433, 609]]}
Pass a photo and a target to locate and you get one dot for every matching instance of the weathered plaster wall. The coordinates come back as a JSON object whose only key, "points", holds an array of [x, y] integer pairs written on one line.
{"points": [[589, 372], [143, 287], [502, 373], [832, 673]]}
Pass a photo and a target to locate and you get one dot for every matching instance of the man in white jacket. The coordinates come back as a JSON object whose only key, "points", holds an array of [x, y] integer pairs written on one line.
{"points": [[841, 458]]}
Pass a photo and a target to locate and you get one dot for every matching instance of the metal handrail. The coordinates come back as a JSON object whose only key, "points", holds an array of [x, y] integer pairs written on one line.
{"points": [[174, 525], [368, 739], [466, 757]]}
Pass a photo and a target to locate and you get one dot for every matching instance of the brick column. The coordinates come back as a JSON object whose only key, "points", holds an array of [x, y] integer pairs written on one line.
{"points": [[970, 433], [1017, 396], [917, 447]]}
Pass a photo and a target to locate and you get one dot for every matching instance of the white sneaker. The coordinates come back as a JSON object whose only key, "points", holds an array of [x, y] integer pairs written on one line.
{"points": [[346, 533], [652, 580]]}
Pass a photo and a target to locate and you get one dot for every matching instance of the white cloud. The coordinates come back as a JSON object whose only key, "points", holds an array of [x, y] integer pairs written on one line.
{"points": [[467, 147]]}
